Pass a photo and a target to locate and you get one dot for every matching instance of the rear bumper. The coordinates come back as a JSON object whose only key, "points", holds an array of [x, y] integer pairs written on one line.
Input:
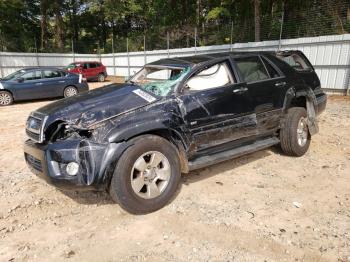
{"points": [[82, 87], [49, 162]]}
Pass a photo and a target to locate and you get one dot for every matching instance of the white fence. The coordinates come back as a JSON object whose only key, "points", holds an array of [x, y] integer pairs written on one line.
{"points": [[330, 56]]}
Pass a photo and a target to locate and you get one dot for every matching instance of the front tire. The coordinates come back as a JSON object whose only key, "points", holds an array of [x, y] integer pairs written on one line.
{"points": [[146, 176], [294, 135], [6, 98]]}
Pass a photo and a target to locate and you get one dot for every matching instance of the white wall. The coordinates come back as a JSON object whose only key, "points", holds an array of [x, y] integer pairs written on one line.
{"points": [[330, 56]]}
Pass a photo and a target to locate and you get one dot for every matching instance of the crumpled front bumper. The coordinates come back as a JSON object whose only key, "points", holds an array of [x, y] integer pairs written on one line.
{"points": [[49, 161]]}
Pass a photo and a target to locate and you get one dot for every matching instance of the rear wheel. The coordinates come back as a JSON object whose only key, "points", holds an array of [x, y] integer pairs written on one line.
{"points": [[294, 136], [146, 176], [101, 78], [70, 91], [5, 98]]}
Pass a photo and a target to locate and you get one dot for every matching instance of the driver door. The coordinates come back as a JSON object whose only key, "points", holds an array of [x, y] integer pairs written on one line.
{"points": [[218, 110], [29, 85]]}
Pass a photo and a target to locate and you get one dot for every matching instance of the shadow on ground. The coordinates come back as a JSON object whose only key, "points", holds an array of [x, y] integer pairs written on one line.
{"points": [[103, 198]]}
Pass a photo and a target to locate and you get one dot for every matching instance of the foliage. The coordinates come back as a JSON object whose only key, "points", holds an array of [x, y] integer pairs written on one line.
{"points": [[90, 26]]}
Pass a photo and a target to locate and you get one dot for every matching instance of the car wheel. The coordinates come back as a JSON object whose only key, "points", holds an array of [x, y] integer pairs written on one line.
{"points": [[101, 78], [295, 137], [6, 98], [70, 91], [146, 176]]}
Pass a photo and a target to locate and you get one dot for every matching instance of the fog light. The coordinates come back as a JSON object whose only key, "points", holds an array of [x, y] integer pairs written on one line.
{"points": [[72, 168]]}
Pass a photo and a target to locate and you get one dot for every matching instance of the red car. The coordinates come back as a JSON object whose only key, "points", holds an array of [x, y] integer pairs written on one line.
{"points": [[91, 70]]}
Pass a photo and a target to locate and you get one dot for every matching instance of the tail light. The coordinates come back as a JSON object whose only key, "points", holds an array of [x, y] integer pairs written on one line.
{"points": [[82, 79]]}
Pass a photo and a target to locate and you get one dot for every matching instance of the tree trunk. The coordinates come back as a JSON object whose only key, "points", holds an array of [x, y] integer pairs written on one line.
{"points": [[43, 24], [198, 12], [59, 31], [257, 20], [75, 7]]}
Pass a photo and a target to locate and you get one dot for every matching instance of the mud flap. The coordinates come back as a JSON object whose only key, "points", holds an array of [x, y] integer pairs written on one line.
{"points": [[311, 117]]}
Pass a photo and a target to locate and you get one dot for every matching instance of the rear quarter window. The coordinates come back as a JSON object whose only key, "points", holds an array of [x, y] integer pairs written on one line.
{"points": [[296, 61]]}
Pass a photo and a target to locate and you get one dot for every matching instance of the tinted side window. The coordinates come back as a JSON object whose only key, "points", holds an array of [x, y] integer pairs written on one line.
{"points": [[272, 71], [51, 74], [85, 66], [92, 65], [33, 75], [251, 69], [295, 61]]}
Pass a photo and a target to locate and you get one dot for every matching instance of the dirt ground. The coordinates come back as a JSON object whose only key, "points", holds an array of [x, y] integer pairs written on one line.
{"points": [[239, 210]]}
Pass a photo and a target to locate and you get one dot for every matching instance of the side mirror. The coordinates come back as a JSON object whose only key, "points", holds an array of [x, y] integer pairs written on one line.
{"points": [[20, 80], [184, 89]]}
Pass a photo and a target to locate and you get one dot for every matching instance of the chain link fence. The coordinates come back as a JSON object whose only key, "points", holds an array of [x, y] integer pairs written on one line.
{"points": [[318, 21], [327, 18]]}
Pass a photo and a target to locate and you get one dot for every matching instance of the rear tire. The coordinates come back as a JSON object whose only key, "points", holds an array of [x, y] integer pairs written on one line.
{"points": [[146, 176], [6, 98], [294, 136], [101, 78], [70, 91]]}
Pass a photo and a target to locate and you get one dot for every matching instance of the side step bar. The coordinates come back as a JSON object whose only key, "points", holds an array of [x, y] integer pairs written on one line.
{"points": [[233, 153]]}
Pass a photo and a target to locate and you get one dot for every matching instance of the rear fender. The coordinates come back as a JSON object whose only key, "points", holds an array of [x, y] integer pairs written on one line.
{"points": [[311, 106]]}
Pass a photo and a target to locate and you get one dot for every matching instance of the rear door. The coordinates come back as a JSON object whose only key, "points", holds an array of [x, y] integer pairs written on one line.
{"points": [[94, 69], [86, 70], [217, 108], [54, 82], [265, 85], [90, 70]]}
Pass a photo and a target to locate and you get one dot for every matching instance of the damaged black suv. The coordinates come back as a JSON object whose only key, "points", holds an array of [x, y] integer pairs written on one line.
{"points": [[173, 116]]}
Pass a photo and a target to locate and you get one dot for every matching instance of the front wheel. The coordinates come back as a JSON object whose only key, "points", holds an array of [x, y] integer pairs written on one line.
{"points": [[294, 135], [5, 98], [146, 176]]}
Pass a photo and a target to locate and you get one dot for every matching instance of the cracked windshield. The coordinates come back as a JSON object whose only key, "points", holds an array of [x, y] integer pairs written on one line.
{"points": [[160, 80]]}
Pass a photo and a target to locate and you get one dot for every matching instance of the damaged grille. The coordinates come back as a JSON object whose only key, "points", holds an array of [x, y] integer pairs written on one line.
{"points": [[35, 125], [34, 162]]}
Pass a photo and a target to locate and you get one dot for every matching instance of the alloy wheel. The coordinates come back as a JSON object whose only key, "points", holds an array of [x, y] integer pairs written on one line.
{"points": [[101, 78], [70, 91], [150, 175], [5, 99], [302, 132]]}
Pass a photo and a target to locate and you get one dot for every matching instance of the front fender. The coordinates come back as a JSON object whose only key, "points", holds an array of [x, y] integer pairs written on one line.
{"points": [[124, 133]]}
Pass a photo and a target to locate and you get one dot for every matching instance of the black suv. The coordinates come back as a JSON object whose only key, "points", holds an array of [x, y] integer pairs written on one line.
{"points": [[173, 116]]}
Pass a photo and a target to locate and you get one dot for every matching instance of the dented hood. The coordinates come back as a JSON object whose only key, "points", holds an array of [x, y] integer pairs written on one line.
{"points": [[97, 105]]}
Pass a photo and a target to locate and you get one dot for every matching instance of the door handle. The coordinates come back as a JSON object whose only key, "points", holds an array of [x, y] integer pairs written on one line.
{"points": [[38, 84], [279, 84], [240, 90], [61, 81]]}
